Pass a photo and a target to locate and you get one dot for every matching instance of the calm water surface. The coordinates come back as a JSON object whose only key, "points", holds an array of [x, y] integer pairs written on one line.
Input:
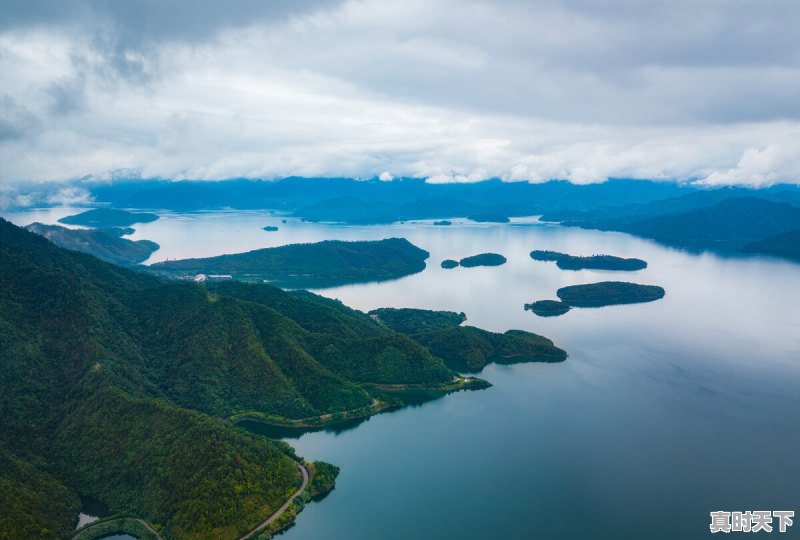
{"points": [[663, 411]]}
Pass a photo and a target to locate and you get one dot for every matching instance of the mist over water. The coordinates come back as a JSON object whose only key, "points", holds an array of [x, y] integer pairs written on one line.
{"points": [[663, 411]]}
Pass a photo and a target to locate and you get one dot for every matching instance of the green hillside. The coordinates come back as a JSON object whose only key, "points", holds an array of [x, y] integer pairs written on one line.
{"points": [[115, 385], [104, 244], [320, 264], [466, 348]]}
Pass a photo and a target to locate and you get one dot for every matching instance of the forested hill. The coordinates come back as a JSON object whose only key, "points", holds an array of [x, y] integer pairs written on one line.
{"points": [[104, 244], [114, 384], [319, 264]]}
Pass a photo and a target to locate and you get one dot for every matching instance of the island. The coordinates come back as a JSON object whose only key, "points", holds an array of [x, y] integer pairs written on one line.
{"points": [[608, 293], [449, 263], [108, 217], [128, 388], [593, 262], [104, 244], [320, 264], [467, 348], [547, 308], [269, 228], [483, 259], [443, 222]]}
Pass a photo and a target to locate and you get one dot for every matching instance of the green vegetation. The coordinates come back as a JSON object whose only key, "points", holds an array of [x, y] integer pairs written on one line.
{"points": [[415, 321], [117, 232], [35, 504], [116, 385], [449, 263], [323, 478], [484, 259], [608, 293], [270, 228], [547, 308], [108, 217], [320, 264], [115, 525], [104, 244], [469, 349], [594, 262], [781, 245], [466, 348], [443, 222], [542, 255]]}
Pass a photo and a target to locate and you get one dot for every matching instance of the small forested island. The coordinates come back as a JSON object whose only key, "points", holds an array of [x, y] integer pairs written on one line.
{"points": [[547, 308], [443, 222], [320, 264], [593, 262], [466, 348], [449, 263], [608, 293], [489, 217], [108, 217], [105, 244], [269, 228], [131, 391], [483, 259]]}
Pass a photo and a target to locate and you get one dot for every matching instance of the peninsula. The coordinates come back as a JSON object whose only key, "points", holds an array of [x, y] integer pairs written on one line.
{"points": [[135, 373], [467, 348], [105, 244], [321, 264]]}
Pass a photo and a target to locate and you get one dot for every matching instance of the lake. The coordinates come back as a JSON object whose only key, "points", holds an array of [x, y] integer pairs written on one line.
{"points": [[663, 411]]}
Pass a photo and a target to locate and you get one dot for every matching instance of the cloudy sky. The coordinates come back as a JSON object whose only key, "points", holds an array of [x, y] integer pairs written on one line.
{"points": [[443, 89]]}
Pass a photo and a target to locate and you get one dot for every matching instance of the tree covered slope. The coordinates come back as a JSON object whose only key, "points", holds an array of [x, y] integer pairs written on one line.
{"points": [[115, 384], [104, 244], [467, 348], [319, 264]]}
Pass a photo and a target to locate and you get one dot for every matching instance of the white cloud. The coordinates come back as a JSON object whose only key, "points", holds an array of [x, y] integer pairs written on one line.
{"points": [[453, 91]]}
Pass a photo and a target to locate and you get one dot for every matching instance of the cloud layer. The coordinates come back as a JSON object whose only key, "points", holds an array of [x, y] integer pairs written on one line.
{"points": [[450, 90]]}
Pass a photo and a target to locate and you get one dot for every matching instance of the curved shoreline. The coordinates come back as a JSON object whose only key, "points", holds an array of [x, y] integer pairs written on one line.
{"points": [[258, 528], [377, 406], [142, 522], [283, 508]]}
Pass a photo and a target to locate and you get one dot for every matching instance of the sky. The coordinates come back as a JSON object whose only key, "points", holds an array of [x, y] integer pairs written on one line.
{"points": [[583, 90]]}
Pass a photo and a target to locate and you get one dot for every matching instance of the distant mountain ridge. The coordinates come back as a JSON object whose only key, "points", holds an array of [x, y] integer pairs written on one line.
{"points": [[720, 219], [785, 245]]}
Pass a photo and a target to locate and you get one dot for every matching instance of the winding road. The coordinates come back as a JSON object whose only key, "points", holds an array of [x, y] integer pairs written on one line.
{"points": [[255, 530], [283, 508], [145, 524]]}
